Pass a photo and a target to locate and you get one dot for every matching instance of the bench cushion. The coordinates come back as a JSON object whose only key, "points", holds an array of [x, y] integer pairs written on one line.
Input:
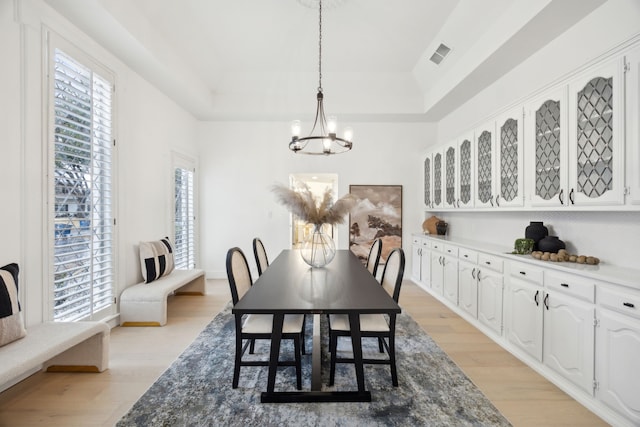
{"points": [[11, 323], [46, 344]]}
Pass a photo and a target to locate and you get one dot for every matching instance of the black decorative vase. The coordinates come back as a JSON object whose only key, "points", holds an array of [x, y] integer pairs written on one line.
{"points": [[551, 244], [536, 231], [441, 228]]}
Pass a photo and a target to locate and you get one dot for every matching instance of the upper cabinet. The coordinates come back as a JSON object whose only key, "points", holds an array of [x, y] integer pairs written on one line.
{"points": [[485, 173], [510, 155], [562, 148], [596, 148], [428, 181], [547, 130]]}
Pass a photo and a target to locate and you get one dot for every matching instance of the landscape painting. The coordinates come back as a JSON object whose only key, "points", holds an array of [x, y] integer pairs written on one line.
{"points": [[377, 213]]}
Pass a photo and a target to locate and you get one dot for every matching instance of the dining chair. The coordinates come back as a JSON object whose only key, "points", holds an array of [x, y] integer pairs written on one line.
{"points": [[258, 326], [261, 256], [374, 256], [380, 326]]}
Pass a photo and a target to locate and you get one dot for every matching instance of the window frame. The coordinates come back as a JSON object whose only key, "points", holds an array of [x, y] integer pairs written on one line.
{"points": [[184, 161]]}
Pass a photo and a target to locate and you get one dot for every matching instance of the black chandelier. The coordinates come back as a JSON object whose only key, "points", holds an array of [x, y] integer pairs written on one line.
{"points": [[326, 141]]}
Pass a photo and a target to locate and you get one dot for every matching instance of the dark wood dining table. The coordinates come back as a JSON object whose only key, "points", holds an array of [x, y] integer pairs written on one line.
{"points": [[290, 286]]}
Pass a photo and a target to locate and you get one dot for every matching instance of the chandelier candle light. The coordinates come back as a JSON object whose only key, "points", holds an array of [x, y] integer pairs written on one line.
{"points": [[326, 142]]}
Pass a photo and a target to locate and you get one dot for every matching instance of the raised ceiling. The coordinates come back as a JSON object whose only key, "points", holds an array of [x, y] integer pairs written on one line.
{"points": [[258, 59]]}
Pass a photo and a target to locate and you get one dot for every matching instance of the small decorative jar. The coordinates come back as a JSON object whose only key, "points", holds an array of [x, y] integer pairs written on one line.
{"points": [[441, 228], [536, 231], [551, 244]]}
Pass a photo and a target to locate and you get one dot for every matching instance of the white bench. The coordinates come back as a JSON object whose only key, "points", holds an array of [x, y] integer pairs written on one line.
{"points": [[145, 304], [56, 347]]}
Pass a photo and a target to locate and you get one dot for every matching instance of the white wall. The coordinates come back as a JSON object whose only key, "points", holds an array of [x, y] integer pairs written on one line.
{"points": [[148, 127], [241, 161], [611, 236]]}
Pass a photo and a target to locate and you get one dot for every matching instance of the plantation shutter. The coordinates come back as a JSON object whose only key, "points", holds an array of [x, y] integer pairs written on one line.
{"points": [[184, 220], [83, 270]]}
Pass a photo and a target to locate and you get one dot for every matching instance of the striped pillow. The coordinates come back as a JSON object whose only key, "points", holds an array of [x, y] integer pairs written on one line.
{"points": [[11, 324], [156, 259]]}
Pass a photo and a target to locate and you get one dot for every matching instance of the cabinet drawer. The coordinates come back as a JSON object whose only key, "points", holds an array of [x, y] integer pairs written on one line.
{"points": [[451, 250], [526, 272], [489, 261], [468, 255], [572, 285], [623, 302], [437, 245]]}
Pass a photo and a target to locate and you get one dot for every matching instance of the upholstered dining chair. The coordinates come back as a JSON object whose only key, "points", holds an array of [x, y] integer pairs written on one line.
{"points": [[258, 326], [261, 256], [380, 326], [374, 256]]}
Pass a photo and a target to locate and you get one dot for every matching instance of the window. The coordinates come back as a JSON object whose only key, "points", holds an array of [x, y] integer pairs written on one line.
{"points": [[81, 182], [184, 218]]}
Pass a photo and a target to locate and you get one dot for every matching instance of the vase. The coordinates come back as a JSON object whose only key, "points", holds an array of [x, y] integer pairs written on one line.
{"points": [[536, 231], [318, 249], [551, 244], [441, 228]]}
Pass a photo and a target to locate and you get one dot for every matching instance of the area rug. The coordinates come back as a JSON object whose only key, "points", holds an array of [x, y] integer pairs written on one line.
{"points": [[196, 389]]}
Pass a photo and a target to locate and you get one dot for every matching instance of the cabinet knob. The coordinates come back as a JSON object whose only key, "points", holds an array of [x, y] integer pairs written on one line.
{"points": [[524, 273], [564, 285], [629, 304]]}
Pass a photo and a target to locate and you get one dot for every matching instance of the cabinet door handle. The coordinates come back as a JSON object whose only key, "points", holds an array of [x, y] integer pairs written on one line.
{"points": [[571, 197], [488, 262], [546, 301], [535, 298], [473, 273], [560, 194], [564, 285], [491, 200], [524, 273], [629, 304], [479, 275], [497, 201]]}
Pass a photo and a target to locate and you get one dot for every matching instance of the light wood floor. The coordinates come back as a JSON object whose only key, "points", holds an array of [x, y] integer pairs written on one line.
{"points": [[140, 355]]}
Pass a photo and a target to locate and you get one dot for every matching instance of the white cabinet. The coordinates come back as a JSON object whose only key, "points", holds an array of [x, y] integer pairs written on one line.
{"points": [[428, 181], [450, 273], [450, 175], [509, 159], [523, 309], [437, 267], [546, 128], [490, 287], [596, 136], [438, 188], [633, 124], [468, 281], [569, 331], [416, 258], [618, 352], [465, 181], [421, 260], [484, 148]]}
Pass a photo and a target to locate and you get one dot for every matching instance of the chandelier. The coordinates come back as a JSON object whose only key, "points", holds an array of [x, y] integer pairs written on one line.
{"points": [[326, 141]]}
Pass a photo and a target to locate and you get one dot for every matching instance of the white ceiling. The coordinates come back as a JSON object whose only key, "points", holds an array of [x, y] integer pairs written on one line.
{"points": [[258, 59]]}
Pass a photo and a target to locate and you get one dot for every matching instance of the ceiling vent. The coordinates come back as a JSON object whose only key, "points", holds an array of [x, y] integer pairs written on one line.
{"points": [[441, 52]]}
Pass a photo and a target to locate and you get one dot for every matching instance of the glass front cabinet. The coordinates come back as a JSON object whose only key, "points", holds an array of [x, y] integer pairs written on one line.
{"points": [[428, 181], [485, 165], [438, 189], [450, 175], [510, 157], [465, 181]]}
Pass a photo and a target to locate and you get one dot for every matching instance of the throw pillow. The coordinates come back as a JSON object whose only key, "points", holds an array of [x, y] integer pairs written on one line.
{"points": [[11, 324], [156, 259]]}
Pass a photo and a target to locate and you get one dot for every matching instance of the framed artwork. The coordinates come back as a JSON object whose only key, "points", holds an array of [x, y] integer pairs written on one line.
{"points": [[377, 213]]}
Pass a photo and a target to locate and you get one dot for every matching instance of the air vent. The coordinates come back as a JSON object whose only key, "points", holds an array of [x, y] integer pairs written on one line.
{"points": [[441, 52]]}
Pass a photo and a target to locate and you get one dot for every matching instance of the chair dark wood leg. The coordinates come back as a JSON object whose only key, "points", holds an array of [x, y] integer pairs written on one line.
{"points": [[304, 327], [333, 344], [252, 346], [380, 345], [238, 356], [392, 360]]}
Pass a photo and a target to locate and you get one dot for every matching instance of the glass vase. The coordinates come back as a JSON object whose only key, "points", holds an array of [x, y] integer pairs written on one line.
{"points": [[318, 248]]}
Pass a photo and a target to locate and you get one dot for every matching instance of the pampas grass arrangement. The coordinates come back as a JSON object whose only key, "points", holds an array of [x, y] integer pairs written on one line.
{"points": [[302, 204]]}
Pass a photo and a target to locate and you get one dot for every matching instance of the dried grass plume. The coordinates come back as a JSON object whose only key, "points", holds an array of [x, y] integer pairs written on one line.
{"points": [[324, 211]]}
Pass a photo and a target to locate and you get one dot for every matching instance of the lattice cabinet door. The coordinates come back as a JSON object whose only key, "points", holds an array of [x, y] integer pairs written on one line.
{"points": [[632, 61], [450, 154], [465, 183], [485, 165], [438, 184], [509, 159], [428, 181], [547, 149], [596, 144]]}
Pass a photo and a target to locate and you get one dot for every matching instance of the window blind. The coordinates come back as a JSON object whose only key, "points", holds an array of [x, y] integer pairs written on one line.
{"points": [[83, 270], [184, 219]]}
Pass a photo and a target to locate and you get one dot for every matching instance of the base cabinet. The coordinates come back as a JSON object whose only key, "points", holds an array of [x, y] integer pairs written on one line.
{"points": [[468, 288], [523, 316], [490, 299], [450, 282], [569, 332], [617, 373]]}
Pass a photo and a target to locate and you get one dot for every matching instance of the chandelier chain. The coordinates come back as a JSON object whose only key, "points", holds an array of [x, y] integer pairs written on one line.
{"points": [[320, 46]]}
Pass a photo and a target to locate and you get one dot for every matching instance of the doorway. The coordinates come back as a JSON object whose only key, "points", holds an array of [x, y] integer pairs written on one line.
{"points": [[318, 184]]}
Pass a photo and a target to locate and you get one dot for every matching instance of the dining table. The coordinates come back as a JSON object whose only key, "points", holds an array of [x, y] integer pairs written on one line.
{"points": [[290, 286]]}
